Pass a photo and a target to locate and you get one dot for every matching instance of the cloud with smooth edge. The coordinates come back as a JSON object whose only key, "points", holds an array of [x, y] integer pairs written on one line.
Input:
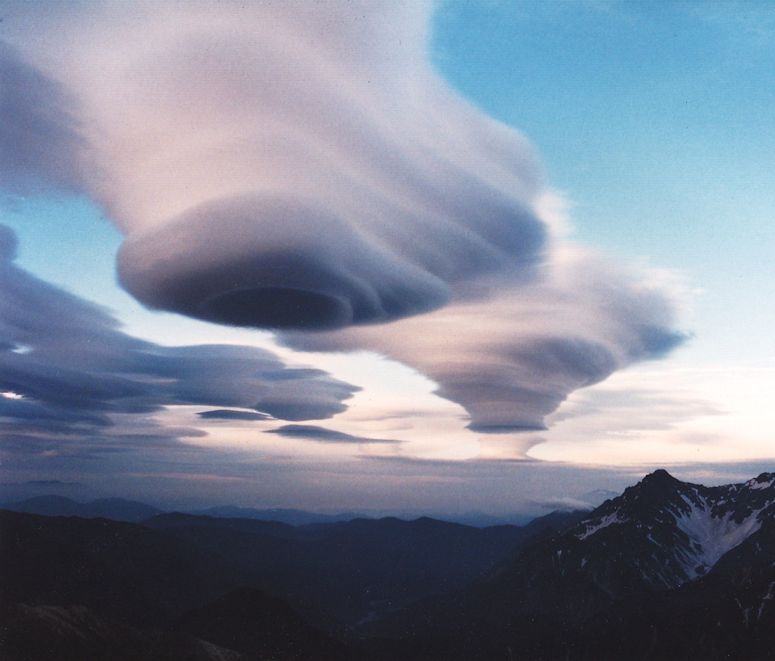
{"points": [[512, 359], [282, 166], [232, 414], [324, 435]]}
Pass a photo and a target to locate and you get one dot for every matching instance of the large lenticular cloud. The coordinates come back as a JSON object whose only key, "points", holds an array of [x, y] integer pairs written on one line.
{"points": [[301, 167], [39, 139], [291, 165]]}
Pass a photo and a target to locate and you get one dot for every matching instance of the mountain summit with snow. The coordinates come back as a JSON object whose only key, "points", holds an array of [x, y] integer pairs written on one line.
{"points": [[666, 570], [659, 534], [674, 531]]}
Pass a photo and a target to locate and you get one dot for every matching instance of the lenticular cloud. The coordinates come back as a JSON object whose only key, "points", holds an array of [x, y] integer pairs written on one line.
{"points": [[301, 167], [512, 358], [289, 165]]}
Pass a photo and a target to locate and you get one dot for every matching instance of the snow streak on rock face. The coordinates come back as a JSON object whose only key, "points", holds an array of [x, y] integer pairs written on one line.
{"points": [[594, 526], [711, 536]]}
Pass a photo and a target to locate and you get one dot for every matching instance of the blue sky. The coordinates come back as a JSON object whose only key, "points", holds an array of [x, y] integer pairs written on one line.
{"points": [[655, 120], [652, 123]]}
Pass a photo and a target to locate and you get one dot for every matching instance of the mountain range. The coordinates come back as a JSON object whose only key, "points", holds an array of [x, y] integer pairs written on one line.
{"points": [[120, 509], [666, 570]]}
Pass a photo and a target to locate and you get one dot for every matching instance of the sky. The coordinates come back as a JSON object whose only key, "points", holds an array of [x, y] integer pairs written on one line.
{"points": [[384, 256]]}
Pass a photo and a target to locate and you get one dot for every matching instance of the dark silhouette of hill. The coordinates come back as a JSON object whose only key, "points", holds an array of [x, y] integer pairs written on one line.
{"points": [[293, 517], [351, 570], [77, 633], [260, 626], [123, 570], [151, 575]]}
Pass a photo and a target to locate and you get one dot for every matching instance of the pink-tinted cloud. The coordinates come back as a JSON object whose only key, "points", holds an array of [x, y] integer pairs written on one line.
{"points": [[304, 168]]}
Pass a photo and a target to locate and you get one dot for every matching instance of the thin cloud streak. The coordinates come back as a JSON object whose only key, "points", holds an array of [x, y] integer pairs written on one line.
{"points": [[324, 435]]}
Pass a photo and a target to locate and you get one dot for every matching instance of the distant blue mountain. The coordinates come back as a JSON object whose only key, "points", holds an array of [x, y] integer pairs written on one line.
{"points": [[120, 509], [116, 509], [292, 517]]}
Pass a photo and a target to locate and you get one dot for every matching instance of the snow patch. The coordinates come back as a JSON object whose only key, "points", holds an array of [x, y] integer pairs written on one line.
{"points": [[608, 520], [768, 597], [713, 536]]}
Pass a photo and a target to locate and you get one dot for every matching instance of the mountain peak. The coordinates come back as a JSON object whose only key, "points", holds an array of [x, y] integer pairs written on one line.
{"points": [[660, 476], [763, 481]]}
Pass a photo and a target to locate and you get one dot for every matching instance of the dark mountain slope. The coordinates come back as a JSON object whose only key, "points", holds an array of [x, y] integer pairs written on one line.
{"points": [[76, 633], [727, 614], [74, 588], [126, 571], [260, 626], [351, 570], [336, 575]]}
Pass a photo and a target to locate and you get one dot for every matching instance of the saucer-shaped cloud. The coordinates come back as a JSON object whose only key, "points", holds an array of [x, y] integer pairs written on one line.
{"points": [[232, 414], [272, 262], [284, 166]]}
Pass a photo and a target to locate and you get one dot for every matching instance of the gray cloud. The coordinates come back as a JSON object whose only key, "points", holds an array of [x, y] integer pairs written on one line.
{"points": [[587, 501], [40, 142], [632, 410], [231, 414], [323, 435], [72, 382]]}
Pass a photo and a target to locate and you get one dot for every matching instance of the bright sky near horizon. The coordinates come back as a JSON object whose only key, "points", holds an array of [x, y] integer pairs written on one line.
{"points": [[653, 126]]}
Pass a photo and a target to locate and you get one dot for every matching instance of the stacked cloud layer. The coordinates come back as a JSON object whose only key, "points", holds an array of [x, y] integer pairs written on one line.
{"points": [[69, 377], [279, 165], [511, 358], [303, 168]]}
